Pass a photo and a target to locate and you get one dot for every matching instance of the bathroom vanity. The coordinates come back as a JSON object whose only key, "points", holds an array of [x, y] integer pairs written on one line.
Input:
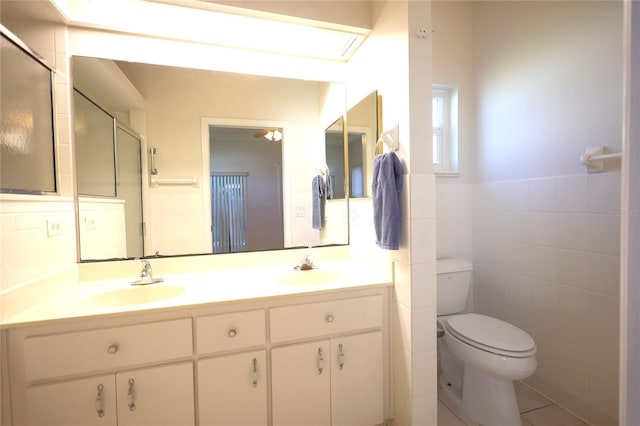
{"points": [[318, 354]]}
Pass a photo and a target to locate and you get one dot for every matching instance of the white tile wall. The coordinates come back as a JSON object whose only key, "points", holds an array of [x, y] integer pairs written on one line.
{"points": [[546, 258], [454, 225], [27, 250]]}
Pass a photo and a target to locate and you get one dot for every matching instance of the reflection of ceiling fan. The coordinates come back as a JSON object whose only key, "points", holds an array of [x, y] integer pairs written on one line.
{"points": [[274, 135]]}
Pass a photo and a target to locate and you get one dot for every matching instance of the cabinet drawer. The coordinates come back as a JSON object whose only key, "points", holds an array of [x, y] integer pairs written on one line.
{"points": [[325, 318], [217, 333], [109, 348]]}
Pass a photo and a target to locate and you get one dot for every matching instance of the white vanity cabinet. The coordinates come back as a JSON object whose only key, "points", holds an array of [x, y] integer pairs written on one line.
{"points": [[300, 359], [337, 380], [138, 374], [154, 397], [232, 387], [89, 402]]}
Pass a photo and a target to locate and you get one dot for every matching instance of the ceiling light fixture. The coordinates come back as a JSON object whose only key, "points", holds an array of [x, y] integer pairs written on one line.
{"points": [[274, 135], [180, 20]]}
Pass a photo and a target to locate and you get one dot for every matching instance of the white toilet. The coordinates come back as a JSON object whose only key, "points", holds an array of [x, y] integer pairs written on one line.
{"points": [[480, 356]]}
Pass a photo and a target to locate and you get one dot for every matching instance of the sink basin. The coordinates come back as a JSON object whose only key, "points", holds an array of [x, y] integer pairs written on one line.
{"points": [[311, 277], [135, 295]]}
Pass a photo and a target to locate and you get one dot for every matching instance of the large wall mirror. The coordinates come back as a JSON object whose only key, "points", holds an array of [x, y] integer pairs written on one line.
{"points": [[265, 136]]}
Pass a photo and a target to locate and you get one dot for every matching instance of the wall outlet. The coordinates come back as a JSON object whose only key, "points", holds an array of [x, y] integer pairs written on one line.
{"points": [[300, 212], [54, 227], [89, 223]]}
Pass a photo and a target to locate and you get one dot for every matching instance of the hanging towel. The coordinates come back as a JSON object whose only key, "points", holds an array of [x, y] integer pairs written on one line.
{"points": [[387, 184], [317, 202], [329, 185]]}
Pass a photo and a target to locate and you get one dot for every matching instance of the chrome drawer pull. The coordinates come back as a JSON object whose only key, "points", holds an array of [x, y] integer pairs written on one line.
{"points": [[254, 368], [329, 318], [99, 401], [113, 349], [320, 361], [232, 333], [340, 356], [131, 396]]}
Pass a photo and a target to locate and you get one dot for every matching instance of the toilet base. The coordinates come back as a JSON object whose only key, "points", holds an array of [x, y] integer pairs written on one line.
{"points": [[488, 399], [451, 397]]}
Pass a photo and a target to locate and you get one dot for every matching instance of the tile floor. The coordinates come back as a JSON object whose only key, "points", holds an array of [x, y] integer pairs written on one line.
{"points": [[535, 410]]}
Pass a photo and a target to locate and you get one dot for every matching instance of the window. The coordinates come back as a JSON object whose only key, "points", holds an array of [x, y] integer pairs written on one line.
{"points": [[444, 106]]}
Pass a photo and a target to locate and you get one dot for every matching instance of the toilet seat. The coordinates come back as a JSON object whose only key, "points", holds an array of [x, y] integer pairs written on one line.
{"points": [[491, 335]]}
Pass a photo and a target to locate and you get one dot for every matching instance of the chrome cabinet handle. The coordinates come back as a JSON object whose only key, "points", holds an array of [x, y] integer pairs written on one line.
{"points": [[131, 396], [100, 401], [340, 356], [113, 349], [254, 370], [232, 333], [320, 361], [329, 318]]}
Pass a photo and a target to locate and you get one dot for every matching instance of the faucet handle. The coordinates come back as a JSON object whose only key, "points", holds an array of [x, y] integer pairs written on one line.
{"points": [[146, 268]]}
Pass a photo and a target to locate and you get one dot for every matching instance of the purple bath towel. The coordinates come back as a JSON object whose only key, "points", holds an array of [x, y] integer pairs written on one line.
{"points": [[317, 202], [387, 184]]}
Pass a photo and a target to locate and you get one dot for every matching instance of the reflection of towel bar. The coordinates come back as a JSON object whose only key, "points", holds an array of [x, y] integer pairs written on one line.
{"points": [[156, 181]]}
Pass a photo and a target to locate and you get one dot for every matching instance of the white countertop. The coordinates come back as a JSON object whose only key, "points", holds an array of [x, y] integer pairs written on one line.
{"points": [[115, 297]]}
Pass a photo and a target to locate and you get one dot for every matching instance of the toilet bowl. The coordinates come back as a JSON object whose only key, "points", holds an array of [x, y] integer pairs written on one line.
{"points": [[480, 356]]}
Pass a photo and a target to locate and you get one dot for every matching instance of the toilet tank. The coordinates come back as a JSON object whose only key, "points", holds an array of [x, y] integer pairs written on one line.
{"points": [[454, 280]]}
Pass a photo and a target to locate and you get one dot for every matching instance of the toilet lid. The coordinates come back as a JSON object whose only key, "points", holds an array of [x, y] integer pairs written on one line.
{"points": [[491, 334]]}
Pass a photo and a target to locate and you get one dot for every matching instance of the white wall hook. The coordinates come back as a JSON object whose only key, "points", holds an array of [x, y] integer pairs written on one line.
{"points": [[391, 138]]}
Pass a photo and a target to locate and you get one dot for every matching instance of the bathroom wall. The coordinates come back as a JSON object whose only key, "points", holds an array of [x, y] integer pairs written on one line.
{"points": [[545, 232], [391, 53], [27, 250], [452, 66]]}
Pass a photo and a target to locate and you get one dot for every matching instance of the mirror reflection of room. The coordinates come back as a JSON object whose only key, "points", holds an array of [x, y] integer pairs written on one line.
{"points": [[171, 109], [335, 166], [362, 135]]}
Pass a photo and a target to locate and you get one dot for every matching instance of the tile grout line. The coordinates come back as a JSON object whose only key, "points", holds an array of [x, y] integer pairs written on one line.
{"points": [[537, 408]]}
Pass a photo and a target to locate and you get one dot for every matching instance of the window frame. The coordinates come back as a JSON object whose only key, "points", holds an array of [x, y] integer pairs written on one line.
{"points": [[448, 161]]}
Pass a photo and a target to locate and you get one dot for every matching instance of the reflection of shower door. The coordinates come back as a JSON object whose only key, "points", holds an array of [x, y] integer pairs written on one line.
{"points": [[229, 212], [130, 189]]}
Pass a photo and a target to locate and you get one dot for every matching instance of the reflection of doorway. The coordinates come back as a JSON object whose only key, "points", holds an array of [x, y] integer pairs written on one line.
{"points": [[334, 155], [245, 151], [361, 152], [129, 187]]}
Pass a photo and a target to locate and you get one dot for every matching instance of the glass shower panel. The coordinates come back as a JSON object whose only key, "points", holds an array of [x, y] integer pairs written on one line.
{"points": [[95, 148], [130, 189]]}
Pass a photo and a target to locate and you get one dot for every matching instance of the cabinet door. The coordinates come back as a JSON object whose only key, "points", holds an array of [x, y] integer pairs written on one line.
{"points": [[156, 396], [232, 390], [85, 402], [300, 383], [357, 380]]}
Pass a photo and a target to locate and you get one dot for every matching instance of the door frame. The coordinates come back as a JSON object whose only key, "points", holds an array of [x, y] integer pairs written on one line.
{"points": [[206, 122]]}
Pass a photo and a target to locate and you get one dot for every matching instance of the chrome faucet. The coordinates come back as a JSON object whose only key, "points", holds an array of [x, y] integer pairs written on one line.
{"points": [[146, 275], [306, 263]]}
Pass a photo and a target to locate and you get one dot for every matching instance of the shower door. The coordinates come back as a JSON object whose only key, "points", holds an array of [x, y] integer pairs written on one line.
{"points": [[129, 187]]}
